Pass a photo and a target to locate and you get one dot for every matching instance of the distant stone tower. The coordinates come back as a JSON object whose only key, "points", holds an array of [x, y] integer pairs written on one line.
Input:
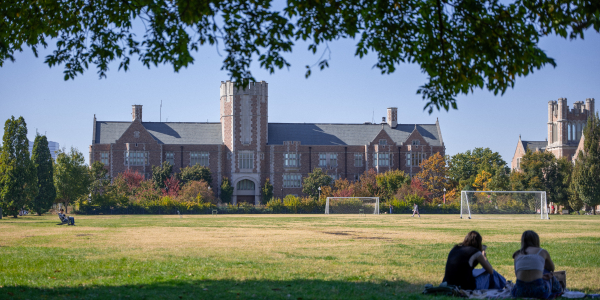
{"points": [[244, 121], [565, 127]]}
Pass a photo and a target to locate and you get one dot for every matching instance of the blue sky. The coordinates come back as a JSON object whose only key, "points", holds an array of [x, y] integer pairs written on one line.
{"points": [[350, 91]]}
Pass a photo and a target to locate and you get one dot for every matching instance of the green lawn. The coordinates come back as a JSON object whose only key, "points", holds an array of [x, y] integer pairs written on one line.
{"points": [[268, 256]]}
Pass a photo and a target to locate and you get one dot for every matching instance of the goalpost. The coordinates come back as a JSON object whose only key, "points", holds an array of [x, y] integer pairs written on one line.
{"points": [[479, 204], [352, 205]]}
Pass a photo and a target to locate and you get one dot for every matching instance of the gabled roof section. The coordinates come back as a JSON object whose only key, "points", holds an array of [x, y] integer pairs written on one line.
{"points": [[534, 145], [185, 133], [167, 133], [347, 134], [110, 132]]}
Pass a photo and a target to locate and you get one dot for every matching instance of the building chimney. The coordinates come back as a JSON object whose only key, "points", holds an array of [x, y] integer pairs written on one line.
{"points": [[136, 113], [392, 116]]}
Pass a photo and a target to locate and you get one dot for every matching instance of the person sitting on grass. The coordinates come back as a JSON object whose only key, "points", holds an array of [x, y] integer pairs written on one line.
{"points": [[462, 260], [63, 218], [534, 267]]}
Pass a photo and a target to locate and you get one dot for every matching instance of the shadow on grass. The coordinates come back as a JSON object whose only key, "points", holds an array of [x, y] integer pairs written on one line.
{"points": [[223, 289]]}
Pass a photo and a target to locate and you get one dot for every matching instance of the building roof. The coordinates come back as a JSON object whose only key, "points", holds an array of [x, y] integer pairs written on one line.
{"points": [[534, 145], [168, 133], [184, 133], [347, 134]]}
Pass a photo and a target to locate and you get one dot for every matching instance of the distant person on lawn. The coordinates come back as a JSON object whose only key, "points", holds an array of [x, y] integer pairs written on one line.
{"points": [[416, 210], [63, 218], [534, 269], [463, 258]]}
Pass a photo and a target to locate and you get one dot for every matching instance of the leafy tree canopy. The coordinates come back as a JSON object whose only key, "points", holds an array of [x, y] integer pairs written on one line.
{"points": [[459, 44], [433, 176], [71, 176], [463, 168], [161, 173], [195, 173], [317, 178], [390, 182], [42, 159]]}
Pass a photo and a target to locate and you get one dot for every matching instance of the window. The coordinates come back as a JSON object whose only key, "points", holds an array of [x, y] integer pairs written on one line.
{"points": [[333, 159], [328, 159], [199, 158], [136, 158], [381, 159], [290, 160], [245, 185], [518, 163], [136, 134], [356, 177], [382, 142], [292, 180], [246, 160], [170, 158], [358, 159], [416, 142], [322, 159], [415, 159], [334, 176], [104, 157]]}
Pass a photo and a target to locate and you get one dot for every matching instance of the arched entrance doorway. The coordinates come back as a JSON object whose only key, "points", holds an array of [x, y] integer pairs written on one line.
{"points": [[245, 191]]}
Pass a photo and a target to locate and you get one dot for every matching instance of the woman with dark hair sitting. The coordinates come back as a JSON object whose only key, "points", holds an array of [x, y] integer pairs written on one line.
{"points": [[534, 267], [462, 260]]}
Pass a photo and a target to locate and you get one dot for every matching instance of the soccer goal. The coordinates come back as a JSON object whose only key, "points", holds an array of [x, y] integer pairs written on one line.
{"points": [[486, 204], [352, 205]]}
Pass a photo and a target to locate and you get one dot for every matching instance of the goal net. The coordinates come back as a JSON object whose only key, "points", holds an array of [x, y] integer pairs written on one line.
{"points": [[352, 205], [482, 204]]}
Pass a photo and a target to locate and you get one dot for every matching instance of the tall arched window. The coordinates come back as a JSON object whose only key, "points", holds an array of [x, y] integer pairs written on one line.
{"points": [[245, 185]]}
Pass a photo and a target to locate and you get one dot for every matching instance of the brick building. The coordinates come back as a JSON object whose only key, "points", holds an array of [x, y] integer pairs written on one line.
{"points": [[565, 130], [248, 149]]}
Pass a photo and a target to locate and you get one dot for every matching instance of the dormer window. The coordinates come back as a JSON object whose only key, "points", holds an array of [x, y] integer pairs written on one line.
{"points": [[416, 142], [382, 142]]}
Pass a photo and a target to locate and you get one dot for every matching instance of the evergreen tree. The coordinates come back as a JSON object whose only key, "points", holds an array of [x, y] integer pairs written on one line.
{"points": [[161, 173], [267, 191], [586, 173], [226, 190], [42, 159], [18, 178], [71, 176]]}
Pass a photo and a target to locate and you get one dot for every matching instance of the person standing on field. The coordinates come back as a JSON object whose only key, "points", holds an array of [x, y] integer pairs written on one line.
{"points": [[416, 210]]}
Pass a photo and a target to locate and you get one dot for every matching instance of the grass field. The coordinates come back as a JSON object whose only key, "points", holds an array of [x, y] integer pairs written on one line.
{"points": [[268, 256]]}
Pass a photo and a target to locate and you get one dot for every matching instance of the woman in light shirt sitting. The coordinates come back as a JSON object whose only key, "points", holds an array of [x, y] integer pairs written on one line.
{"points": [[534, 267]]}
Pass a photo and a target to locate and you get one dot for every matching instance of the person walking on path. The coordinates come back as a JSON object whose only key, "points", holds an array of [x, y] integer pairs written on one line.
{"points": [[416, 210]]}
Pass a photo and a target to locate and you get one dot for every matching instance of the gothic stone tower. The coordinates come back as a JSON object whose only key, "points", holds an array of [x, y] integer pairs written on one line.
{"points": [[565, 127], [244, 124]]}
